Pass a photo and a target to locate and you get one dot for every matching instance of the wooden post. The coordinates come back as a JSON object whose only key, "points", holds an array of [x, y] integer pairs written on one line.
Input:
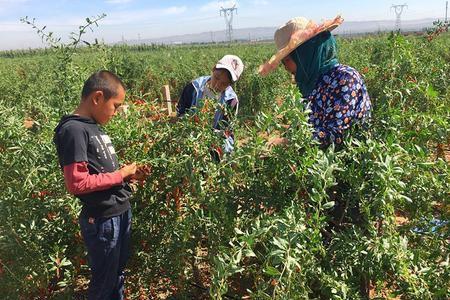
{"points": [[166, 97]]}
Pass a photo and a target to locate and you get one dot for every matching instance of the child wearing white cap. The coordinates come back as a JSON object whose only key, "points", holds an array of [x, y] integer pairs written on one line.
{"points": [[217, 86]]}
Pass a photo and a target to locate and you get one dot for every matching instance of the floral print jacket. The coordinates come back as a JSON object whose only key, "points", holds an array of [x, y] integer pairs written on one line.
{"points": [[339, 100]]}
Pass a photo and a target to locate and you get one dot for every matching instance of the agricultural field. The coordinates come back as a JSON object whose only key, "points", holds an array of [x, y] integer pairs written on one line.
{"points": [[255, 225]]}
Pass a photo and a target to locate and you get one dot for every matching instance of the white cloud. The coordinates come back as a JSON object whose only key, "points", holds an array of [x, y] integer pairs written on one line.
{"points": [[174, 10], [6, 2], [118, 1], [139, 16], [7, 5], [56, 24], [260, 2], [228, 3], [216, 5], [71, 22], [210, 6], [52, 24]]}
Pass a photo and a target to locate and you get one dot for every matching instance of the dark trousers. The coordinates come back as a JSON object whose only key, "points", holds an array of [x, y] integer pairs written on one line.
{"points": [[107, 241]]}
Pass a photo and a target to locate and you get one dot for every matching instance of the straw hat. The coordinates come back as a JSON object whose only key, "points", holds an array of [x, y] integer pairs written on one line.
{"points": [[292, 34]]}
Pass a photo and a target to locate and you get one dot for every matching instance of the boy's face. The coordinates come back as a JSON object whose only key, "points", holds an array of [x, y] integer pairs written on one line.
{"points": [[220, 80], [104, 110]]}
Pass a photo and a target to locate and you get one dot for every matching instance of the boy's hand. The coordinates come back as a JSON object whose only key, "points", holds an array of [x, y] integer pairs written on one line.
{"points": [[127, 171], [142, 172]]}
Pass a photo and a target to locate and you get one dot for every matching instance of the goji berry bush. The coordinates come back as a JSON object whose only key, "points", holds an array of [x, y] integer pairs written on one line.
{"points": [[256, 224]]}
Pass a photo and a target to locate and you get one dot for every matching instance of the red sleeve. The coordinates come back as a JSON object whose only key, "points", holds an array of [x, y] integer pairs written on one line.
{"points": [[79, 181]]}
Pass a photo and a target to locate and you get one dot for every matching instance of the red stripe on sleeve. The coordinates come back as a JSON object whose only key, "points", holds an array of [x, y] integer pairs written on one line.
{"points": [[79, 181]]}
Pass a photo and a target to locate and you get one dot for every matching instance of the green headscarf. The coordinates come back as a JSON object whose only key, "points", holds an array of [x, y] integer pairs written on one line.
{"points": [[314, 58]]}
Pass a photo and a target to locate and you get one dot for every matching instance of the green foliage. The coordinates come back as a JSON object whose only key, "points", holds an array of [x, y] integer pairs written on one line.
{"points": [[258, 222]]}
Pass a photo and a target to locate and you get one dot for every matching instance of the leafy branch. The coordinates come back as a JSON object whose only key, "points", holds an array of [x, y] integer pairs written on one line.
{"points": [[75, 37]]}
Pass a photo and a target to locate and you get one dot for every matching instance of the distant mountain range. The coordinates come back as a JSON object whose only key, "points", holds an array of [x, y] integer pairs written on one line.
{"points": [[266, 33]]}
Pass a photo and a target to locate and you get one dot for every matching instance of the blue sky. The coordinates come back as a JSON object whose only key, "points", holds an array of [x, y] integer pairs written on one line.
{"points": [[149, 19]]}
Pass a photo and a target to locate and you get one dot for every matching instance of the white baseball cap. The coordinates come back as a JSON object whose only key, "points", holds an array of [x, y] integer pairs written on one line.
{"points": [[233, 64]]}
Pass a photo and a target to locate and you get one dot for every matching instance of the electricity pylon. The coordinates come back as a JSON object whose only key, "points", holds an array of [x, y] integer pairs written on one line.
{"points": [[446, 10], [228, 13], [398, 9]]}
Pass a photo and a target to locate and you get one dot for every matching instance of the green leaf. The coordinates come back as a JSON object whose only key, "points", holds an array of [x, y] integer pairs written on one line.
{"points": [[280, 243], [65, 262], [406, 198], [328, 205], [238, 231], [238, 256], [271, 271], [249, 253], [431, 92]]}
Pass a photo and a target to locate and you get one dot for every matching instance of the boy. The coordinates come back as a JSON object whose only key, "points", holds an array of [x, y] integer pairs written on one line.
{"points": [[217, 86], [92, 174]]}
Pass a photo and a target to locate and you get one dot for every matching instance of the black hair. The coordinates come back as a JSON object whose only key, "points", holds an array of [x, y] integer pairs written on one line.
{"points": [[228, 73], [104, 81]]}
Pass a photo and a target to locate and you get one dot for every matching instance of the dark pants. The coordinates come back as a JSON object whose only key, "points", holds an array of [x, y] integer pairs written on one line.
{"points": [[107, 241]]}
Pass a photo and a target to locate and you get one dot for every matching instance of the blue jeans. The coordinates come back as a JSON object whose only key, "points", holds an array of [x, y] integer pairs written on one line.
{"points": [[107, 241]]}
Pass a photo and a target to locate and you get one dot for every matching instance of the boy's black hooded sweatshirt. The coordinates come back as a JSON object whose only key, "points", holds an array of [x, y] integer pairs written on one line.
{"points": [[80, 139]]}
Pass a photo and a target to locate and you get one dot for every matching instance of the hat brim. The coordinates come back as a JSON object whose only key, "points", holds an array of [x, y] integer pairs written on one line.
{"points": [[233, 74], [296, 40]]}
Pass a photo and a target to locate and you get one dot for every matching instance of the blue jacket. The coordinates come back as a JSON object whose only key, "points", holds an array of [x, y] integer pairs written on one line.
{"points": [[191, 99]]}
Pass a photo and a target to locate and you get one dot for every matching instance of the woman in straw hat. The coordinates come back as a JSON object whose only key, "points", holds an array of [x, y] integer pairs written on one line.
{"points": [[336, 93]]}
